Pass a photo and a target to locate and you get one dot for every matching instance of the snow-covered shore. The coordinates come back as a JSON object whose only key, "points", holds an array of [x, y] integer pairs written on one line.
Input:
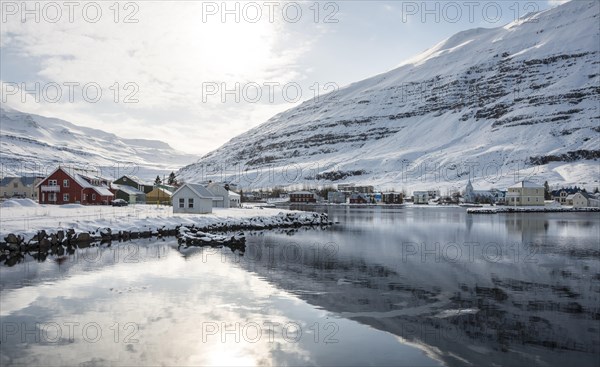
{"points": [[25, 218]]}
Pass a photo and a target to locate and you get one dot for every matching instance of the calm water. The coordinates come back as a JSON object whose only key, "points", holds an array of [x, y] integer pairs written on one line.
{"points": [[413, 287]]}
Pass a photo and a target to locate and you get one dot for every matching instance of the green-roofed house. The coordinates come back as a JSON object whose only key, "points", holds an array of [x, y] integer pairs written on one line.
{"points": [[135, 182]]}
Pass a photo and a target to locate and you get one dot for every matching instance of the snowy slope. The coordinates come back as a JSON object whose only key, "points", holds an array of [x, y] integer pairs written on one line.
{"points": [[36, 144], [495, 104]]}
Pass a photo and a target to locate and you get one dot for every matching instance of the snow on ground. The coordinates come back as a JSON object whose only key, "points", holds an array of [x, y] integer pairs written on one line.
{"points": [[19, 216]]}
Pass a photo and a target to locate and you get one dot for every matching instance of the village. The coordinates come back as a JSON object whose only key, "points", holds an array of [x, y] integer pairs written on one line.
{"points": [[66, 185]]}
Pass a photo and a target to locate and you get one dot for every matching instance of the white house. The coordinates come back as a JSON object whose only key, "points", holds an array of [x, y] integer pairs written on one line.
{"points": [[421, 197], [580, 200], [192, 199], [525, 193], [223, 198]]}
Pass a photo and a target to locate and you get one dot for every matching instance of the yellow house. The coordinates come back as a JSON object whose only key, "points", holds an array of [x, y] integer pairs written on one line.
{"points": [[525, 193], [21, 187], [159, 195]]}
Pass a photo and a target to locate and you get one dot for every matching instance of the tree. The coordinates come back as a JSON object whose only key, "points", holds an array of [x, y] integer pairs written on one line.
{"points": [[456, 197], [157, 181], [547, 195], [241, 196], [596, 190], [172, 180]]}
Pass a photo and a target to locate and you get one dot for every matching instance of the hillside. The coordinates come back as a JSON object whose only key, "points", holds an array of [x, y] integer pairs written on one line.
{"points": [[495, 104]]}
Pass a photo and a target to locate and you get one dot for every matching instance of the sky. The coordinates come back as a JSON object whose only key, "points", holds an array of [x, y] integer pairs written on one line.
{"points": [[195, 74]]}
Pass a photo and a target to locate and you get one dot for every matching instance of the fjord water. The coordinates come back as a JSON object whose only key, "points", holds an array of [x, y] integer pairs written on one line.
{"points": [[410, 286]]}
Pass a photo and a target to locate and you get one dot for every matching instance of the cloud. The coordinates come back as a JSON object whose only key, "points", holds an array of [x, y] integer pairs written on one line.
{"points": [[163, 62]]}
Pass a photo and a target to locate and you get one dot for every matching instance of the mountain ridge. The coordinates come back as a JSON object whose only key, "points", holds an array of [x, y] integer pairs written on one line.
{"points": [[34, 144]]}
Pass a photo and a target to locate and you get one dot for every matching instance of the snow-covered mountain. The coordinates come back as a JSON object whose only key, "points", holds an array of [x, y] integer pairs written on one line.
{"points": [[36, 144], [495, 104]]}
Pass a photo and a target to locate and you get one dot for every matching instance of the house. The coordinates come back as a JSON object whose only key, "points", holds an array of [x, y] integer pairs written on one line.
{"points": [[580, 200], [135, 182], [192, 199], [19, 187], [421, 197], [159, 195], [482, 196], [128, 193], [392, 198], [525, 193], [303, 197], [358, 198], [336, 197], [64, 186], [365, 189], [223, 198]]}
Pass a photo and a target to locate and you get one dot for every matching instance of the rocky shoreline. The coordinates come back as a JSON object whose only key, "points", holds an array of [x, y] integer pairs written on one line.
{"points": [[14, 247]]}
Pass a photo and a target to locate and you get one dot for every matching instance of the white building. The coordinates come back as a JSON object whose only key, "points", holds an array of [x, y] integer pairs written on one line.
{"points": [[421, 197], [192, 199], [223, 198], [525, 193], [23, 187], [580, 200]]}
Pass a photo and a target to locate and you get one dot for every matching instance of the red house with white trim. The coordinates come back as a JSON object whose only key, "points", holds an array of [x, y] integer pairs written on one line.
{"points": [[64, 187]]}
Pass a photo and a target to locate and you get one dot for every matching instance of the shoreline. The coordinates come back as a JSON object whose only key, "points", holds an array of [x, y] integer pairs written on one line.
{"points": [[504, 209], [61, 241]]}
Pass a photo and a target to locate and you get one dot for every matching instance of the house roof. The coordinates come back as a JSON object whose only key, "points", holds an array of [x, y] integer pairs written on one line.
{"points": [[102, 190], [302, 193], [81, 181], [163, 190], [526, 183], [25, 180], [127, 189], [569, 190], [197, 189], [136, 179]]}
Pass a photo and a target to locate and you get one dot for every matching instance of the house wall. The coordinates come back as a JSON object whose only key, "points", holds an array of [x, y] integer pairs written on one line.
{"points": [[302, 198], [219, 191], [201, 205], [15, 188], [73, 190], [525, 196], [579, 201], [92, 197], [158, 195]]}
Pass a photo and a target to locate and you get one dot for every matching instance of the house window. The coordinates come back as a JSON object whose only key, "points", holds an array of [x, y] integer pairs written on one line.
{"points": [[52, 197], [65, 197], [52, 183], [93, 197], [182, 203], [65, 183], [15, 185], [190, 202]]}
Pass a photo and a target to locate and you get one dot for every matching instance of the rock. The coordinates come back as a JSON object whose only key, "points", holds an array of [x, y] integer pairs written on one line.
{"points": [[84, 237], [12, 239]]}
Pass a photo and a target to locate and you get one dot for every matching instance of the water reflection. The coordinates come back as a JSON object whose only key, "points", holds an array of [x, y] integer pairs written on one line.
{"points": [[384, 287], [104, 306], [505, 289]]}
